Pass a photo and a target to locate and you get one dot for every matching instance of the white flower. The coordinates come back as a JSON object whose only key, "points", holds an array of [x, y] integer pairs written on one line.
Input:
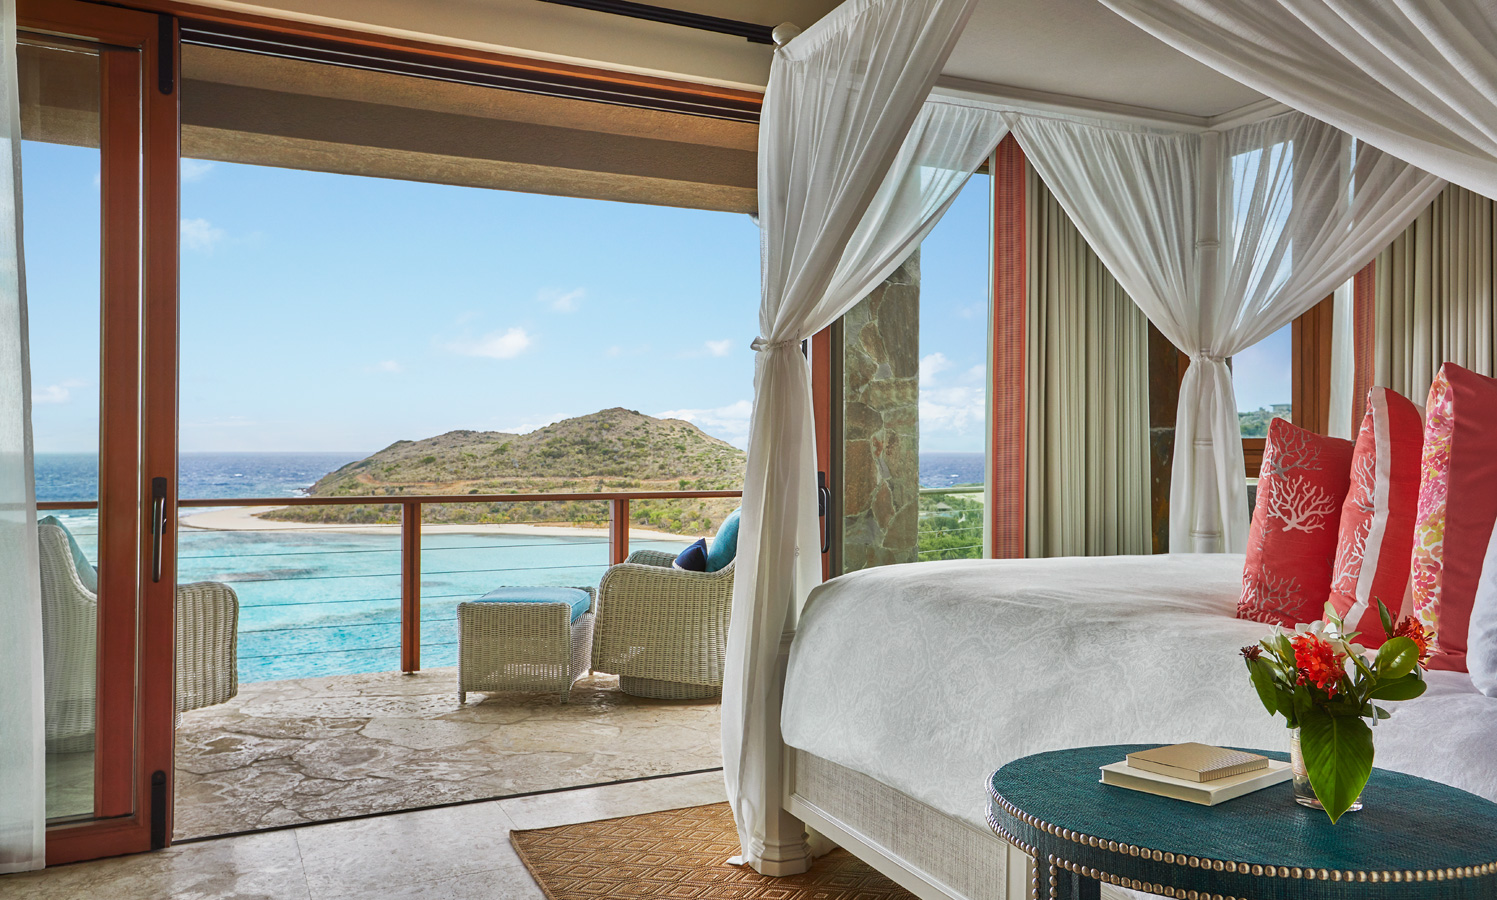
{"points": [[1330, 632]]}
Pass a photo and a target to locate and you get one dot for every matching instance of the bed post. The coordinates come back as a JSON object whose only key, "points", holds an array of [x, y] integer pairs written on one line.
{"points": [[785, 850]]}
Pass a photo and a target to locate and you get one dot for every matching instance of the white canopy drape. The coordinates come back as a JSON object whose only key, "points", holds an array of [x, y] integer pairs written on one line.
{"points": [[853, 173], [1222, 238], [1416, 79], [23, 797]]}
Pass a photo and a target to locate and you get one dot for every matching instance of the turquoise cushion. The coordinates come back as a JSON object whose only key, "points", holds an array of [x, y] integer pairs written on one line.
{"points": [[724, 543], [86, 571], [577, 598]]}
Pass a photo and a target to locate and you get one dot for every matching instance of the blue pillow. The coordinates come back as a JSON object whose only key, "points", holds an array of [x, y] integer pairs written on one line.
{"points": [[579, 599], [724, 543], [693, 558], [86, 571]]}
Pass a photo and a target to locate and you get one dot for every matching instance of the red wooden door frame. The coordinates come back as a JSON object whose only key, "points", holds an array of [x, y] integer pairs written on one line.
{"points": [[138, 422]]}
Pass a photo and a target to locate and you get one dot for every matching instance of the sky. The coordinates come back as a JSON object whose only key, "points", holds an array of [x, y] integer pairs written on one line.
{"points": [[326, 312], [954, 324]]}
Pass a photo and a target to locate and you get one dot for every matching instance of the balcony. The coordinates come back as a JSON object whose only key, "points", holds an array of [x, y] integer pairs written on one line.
{"points": [[347, 644], [314, 749]]}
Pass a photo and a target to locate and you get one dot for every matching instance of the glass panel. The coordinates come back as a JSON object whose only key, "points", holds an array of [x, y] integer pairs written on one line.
{"points": [[345, 336], [1262, 376], [953, 376], [60, 94]]}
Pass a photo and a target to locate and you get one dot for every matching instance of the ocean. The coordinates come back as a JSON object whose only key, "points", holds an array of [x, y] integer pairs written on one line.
{"points": [[317, 603], [938, 470], [328, 603]]}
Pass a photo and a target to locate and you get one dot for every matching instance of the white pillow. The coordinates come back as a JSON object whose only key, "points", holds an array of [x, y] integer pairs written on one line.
{"points": [[1481, 645]]}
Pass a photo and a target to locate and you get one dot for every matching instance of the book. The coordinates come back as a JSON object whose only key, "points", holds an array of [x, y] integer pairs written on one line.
{"points": [[1197, 762], [1206, 793]]}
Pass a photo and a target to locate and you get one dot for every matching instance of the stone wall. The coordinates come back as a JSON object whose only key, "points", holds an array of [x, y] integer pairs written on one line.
{"points": [[881, 423]]}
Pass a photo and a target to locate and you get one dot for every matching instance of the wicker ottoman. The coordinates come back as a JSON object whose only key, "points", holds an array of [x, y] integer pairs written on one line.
{"points": [[521, 639]]}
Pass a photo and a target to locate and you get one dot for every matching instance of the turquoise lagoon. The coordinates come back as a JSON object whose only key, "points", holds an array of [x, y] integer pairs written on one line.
{"points": [[328, 602]]}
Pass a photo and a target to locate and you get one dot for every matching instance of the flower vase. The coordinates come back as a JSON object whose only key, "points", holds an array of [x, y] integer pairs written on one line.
{"points": [[1304, 794]]}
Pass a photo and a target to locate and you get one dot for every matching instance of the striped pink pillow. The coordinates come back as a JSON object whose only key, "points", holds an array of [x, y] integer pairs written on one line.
{"points": [[1377, 520]]}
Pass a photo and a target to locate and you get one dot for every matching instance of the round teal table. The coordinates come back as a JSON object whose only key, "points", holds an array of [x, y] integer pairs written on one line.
{"points": [[1413, 839]]}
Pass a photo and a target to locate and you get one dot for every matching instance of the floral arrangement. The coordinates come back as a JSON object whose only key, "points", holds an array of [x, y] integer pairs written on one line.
{"points": [[1329, 688]]}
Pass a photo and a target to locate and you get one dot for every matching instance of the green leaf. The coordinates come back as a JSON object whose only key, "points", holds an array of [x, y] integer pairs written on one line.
{"points": [[1405, 688], [1396, 658], [1338, 757], [1387, 617], [1283, 649], [1263, 681]]}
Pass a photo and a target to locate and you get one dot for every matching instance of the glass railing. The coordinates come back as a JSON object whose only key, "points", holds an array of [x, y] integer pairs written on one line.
{"points": [[336, 586]]}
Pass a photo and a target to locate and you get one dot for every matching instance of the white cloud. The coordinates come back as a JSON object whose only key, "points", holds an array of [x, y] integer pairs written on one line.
{"points": [[195, 169], [719, 348], [200, 234], [730, 423], [561, 301], [615, 350], [497, 345], [52, 393], [933, 365], [388, 365], [952, 409]]}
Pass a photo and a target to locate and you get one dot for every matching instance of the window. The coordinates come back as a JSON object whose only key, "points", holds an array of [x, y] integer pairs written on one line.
{"points": [[1262, 377], [953, 376]]}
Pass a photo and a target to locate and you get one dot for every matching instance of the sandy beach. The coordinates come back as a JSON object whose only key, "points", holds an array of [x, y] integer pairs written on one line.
{"points": [[247, 518]]}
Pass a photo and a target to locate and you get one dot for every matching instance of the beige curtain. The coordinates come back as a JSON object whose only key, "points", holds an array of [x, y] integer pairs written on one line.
{"points": [[1434, 294], [1087, 403]]}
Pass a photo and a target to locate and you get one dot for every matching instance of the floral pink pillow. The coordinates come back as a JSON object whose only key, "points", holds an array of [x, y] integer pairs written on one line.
{"points": [[1296, 522], [1450, 539]]}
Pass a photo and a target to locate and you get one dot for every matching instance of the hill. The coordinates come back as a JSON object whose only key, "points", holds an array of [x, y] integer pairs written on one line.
{"points": [[612, 450], [1255, 424]]}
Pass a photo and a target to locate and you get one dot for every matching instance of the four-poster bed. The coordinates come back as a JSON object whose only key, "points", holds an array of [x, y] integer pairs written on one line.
{"points": [[1222, 227]]}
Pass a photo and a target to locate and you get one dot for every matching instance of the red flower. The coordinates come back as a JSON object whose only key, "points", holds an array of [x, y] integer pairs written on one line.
{"points": [[1252, 652], [1411, 629], [1317, 662]]}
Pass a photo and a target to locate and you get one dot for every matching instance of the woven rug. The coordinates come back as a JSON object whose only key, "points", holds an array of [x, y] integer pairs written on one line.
{"points": [[680, 853]]}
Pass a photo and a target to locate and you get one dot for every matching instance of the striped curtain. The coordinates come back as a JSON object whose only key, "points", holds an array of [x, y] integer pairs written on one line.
{"points": [[1087, 403], [1434, 294]]}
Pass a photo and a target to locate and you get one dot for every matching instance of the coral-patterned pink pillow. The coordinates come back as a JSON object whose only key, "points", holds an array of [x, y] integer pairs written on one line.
{"points": [[1292, 544], [1377, 520], [1450, 538]]}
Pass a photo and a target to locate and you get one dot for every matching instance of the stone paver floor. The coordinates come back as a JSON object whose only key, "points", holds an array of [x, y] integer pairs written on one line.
{"points": [[314, 749]]}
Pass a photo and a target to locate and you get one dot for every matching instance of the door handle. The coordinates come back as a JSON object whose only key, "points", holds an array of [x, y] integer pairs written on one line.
{"points": [[823, 507], [158, 524]]}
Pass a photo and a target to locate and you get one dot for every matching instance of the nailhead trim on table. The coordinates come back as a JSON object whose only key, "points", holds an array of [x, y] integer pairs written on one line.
{"points": [[1254, 869]]}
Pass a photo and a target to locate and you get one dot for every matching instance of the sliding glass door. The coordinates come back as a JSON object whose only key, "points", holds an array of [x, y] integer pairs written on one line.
{"points": [[99, 200]]}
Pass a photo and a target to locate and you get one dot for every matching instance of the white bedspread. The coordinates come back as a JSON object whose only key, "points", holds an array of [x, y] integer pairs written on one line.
{"points": [[927, 677]]}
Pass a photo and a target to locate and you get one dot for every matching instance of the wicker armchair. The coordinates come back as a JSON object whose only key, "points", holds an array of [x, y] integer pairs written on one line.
{"points": [[207, 636], [661, 630]]}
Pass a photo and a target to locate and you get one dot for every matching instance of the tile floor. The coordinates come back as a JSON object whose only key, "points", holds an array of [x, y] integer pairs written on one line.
{"points": [[314, 749], [454, 853]]}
